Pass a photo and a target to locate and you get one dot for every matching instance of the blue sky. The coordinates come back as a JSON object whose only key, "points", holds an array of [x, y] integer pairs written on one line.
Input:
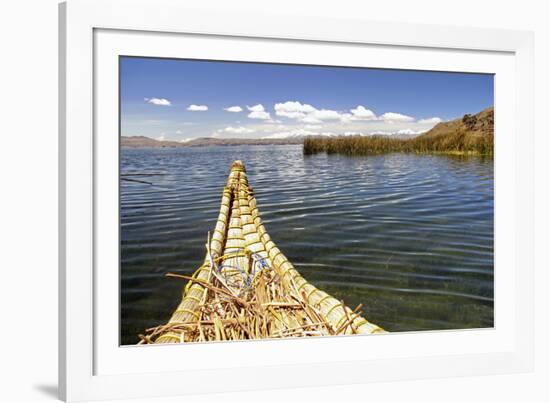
{"points": [[178, 100]]}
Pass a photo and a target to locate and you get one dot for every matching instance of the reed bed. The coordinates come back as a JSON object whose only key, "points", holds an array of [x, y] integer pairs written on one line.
{"points": [[455, 143]]}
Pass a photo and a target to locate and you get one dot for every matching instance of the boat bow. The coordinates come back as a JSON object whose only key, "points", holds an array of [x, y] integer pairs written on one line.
{"points": [[246, 288]]}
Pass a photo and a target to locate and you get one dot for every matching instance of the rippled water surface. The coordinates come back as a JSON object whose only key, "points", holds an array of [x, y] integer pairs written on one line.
{"points": [[408, 236]]}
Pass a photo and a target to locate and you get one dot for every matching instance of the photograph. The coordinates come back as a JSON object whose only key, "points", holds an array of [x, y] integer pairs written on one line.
{"points": [[267, 200], [218, 202]]}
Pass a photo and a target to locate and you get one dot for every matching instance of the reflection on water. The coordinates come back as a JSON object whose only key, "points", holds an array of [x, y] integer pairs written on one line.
{"points": [[410, 237]]}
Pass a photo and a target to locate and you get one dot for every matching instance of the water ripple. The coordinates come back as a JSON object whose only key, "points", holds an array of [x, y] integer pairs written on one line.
{"points": [[410, 237]]}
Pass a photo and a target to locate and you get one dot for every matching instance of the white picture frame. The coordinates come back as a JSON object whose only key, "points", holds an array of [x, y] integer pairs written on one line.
{"points": [[93, 366]]}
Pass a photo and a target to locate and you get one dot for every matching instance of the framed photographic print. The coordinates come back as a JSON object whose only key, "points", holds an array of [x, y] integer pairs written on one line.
{"points": [[350, 198]]}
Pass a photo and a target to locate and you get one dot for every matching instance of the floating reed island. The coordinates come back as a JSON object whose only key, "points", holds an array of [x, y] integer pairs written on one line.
{"points": [[469, 135], [247, 289]]}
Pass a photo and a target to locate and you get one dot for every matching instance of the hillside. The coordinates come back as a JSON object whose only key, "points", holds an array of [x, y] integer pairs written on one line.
{"points": [[469, 134], [472, 126], [145, 142]]}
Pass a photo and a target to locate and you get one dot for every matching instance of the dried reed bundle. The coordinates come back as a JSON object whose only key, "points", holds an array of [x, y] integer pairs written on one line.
{"points": [[247, 289]]}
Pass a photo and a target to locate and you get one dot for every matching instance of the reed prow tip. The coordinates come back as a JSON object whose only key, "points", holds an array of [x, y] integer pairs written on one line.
{"points": [[238, 165]]}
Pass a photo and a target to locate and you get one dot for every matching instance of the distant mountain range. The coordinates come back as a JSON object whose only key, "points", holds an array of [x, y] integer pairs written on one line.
{"points": [[147, 142]]}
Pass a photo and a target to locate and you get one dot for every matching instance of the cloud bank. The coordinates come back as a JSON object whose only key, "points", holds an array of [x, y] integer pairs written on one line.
{"points": [[396, 117], [294, 118]]}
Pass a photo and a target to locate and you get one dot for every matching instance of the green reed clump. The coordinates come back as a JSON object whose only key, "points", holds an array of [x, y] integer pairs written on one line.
{"points": [[455, 143]]}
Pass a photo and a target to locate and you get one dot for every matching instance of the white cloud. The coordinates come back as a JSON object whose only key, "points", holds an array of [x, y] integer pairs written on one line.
{"points": [[362, 113], [326, 114], [434, 121], [178, 131], [237, 130], [256, 108], [258, 112], [161, 137], [233, 109], [197, 108], [158, 101], [323, 115], [259, 115], [311, 120], [347, 117], [306, 113], [396, 117], [293, 109], [314, 127]]}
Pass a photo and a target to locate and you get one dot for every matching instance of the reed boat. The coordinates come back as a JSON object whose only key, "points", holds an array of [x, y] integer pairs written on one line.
{"points": [[247, 289]]}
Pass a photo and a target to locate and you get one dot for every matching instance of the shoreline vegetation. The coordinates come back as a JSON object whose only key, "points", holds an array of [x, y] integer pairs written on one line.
{"points": [[469, 135]]}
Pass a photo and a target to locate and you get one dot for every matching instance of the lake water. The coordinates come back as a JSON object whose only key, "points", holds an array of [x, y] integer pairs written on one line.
{"points": [[408, 236]]}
